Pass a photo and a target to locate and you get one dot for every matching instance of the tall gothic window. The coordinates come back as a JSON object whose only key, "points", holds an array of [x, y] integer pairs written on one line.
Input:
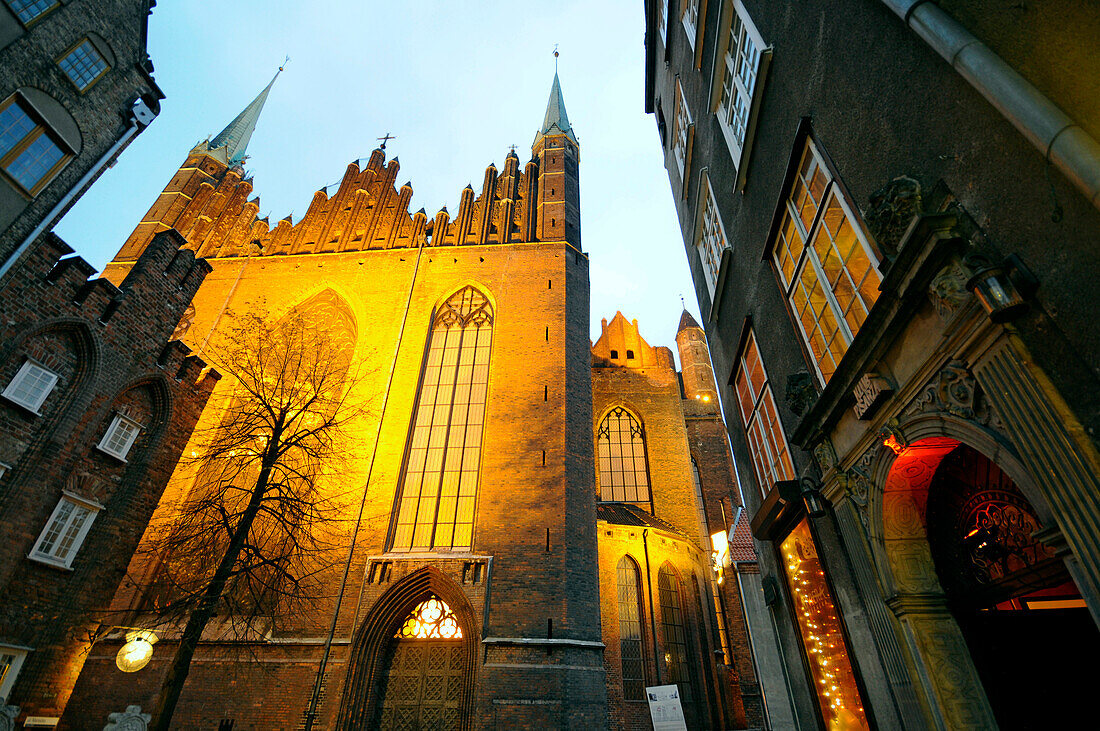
{"points": [[674, 632], [622, 461], [439, 486], [630, 630]]}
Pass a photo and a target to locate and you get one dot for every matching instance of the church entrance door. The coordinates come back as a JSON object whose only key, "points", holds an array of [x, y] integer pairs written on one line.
{"points": [[422, 686]]}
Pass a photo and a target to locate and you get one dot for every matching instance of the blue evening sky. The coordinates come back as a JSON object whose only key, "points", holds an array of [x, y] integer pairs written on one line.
{"points": [[456, 82]]}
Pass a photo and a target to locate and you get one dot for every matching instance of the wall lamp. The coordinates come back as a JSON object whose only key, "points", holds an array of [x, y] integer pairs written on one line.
{"points": [[1003, 289], [812, 498]]}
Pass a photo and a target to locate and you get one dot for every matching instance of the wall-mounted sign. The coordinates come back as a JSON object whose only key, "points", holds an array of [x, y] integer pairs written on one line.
{"points": [[665, 709], [870, 392]]}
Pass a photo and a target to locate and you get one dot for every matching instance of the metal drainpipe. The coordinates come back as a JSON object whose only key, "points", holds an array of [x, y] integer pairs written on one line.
{"points": [[652, 614], [1061, 140], [140, 118], [315, 696]]}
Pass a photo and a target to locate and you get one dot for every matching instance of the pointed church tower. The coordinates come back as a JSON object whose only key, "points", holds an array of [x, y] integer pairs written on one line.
{"points": [[558, 154], [691, 342], [213, 169]]}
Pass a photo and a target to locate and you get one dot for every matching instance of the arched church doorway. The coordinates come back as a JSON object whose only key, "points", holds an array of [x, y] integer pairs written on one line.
{"points": [[423, 677], [1024, 623]]}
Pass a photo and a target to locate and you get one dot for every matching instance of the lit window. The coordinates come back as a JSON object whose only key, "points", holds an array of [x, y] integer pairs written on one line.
{"points": [[767, 442], [620, 450], [690, 19], [28, 153], [83, 65], [662, 19], [712, 241], [432, 619], [678, 656], [741, 67], [30, 387], [832, 282], [681, 123], [65, 531], [439, 486], [120, 436], [11, 660], [630, 630], [822, 635], [28, 10]]}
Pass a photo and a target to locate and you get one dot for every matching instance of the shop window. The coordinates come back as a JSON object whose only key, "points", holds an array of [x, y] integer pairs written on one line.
{"points": [[65, 531], [30, 387], [438, 490], [827, 268], [621, 457], [771, 456], [819, 626]]}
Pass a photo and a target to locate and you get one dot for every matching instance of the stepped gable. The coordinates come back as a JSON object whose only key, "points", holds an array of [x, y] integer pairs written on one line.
{"points": [[364, 211]]}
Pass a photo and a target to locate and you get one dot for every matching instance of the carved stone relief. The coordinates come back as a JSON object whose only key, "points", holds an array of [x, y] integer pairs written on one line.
{"points": [[948, 290], [892, 208], [947, 664], [955, 391]]}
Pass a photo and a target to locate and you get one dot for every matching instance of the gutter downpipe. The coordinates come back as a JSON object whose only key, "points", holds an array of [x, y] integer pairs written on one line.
{"points": [[1061, 140], [652, 615], [139, 111]]}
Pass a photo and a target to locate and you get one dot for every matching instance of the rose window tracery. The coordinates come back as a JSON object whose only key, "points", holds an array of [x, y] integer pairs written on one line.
{"points": [[432, 619]]}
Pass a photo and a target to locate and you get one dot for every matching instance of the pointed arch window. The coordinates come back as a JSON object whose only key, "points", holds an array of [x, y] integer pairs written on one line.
{"points": [[678, 657], [432, 619], [631, 652], [435, 509], [621, 452]]}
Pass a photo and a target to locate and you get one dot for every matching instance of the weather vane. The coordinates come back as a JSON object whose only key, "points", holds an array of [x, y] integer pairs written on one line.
{"points": [[385, 139], [682, 302], [284, 63], [555, 58]]}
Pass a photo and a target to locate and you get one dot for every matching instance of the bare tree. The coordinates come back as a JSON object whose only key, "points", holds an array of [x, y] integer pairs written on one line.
{"points": [[256, 533]]}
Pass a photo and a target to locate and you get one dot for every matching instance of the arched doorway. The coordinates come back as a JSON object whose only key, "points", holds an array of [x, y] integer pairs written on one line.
{"points": [[424, 674], [413, 660], [989, 611], [1023, 620]]}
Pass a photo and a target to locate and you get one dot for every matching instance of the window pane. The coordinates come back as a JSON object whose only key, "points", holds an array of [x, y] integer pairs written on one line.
{"points": [[439, 485], [630, 631], [83, 65], [822, 635], [15, 124], [28, 10], [31, 385], [622, 458], [35, 162], [678, 656]]}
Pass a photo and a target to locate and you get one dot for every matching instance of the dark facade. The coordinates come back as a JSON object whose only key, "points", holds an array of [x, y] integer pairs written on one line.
{"points": [[96, 407], [76, 87], [892, 234]]}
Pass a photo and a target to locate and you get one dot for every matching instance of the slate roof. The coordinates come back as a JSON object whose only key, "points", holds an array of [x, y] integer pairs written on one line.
{"points": [[627, 514]]}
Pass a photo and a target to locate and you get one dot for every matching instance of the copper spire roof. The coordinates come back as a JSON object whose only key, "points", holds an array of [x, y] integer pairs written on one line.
{"points": [[556, 121], [237, 133]]}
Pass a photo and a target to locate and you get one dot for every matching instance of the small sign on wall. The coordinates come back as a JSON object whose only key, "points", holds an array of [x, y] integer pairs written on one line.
{"points": [[665, 709]]}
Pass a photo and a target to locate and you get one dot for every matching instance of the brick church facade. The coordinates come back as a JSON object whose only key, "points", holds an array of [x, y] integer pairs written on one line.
{"points": [[529, 498]]}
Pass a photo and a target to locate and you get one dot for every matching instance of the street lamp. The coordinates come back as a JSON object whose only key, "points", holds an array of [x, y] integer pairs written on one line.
{"points": [[137, 652]]}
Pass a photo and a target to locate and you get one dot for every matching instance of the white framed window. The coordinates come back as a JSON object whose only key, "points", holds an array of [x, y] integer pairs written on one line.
{"points": [[828, 269], [65, 530], [28, 10], [771, 457], [11, 661], [690, 18], [84, 65], [31, 385], [740, 69], [4, 468], [681, 124], [120, 436], [662, 20], [712, 240]]}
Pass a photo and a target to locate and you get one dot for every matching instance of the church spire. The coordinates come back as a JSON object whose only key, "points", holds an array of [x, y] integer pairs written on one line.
{"points": [[237, 133], [556, 121]]}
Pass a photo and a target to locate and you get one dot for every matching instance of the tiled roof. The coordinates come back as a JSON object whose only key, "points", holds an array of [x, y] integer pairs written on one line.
{"points": [[741, 545]]}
